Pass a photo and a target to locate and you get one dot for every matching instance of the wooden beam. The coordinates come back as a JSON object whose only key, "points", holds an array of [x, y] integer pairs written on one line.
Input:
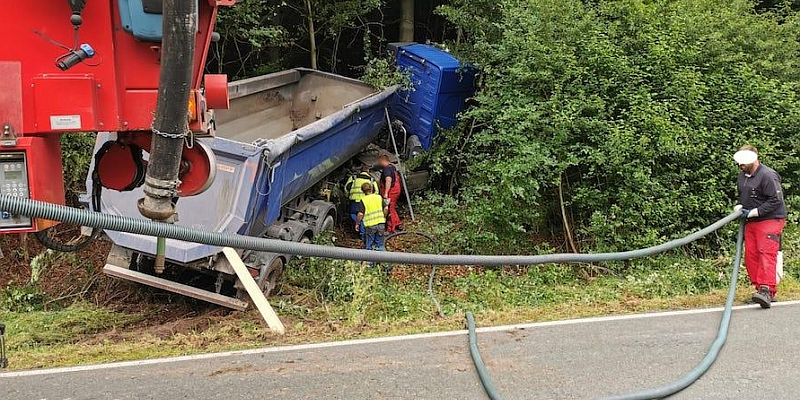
{"points": [[254, 291], [175, 287]]}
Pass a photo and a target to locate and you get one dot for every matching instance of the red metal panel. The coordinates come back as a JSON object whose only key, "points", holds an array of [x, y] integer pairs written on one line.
{"points": [[11, 94], [31, 27], [45, 177], [125, 70], [66, 103]]}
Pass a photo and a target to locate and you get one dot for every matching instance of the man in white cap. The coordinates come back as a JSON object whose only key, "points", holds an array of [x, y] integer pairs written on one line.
{"points": [[761, 203]]}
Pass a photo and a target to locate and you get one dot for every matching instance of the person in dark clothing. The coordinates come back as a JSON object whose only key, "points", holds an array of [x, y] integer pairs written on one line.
{"points": [[761, 203], [390, 190]]}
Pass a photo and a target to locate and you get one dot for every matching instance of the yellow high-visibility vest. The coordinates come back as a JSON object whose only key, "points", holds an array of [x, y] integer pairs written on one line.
{"points": [[373, 210], [355, 192]]}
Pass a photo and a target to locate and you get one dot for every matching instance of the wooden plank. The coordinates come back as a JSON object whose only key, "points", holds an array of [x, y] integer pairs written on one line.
{"points": [[254, 291], [175, 287]]}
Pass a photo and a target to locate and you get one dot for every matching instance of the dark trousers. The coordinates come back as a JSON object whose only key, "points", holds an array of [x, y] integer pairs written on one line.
{"points": [[374, 237], [354, 217]]}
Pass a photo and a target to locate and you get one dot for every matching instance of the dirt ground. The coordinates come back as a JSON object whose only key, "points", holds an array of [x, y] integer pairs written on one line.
{"points": [[71, 277]]}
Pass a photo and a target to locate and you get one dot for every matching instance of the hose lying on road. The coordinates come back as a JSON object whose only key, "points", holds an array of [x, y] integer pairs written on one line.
{"points": [[480, 367], [654, 393], [37, 209]]}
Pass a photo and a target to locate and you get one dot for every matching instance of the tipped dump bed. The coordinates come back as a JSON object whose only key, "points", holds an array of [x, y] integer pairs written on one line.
{"points": [[283, 133], [271, 106]]}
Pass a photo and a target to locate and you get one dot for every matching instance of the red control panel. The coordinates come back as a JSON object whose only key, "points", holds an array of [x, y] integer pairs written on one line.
{"points": [[31, 169]]}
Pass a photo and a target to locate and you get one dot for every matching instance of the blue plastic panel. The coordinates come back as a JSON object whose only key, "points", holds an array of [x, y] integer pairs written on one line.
{"points": [[145, 27], [441, 85]]}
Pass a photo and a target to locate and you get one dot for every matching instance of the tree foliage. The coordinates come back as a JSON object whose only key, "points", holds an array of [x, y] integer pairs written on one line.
{"points": [[329, 20], [248, 32], [631, 108]]}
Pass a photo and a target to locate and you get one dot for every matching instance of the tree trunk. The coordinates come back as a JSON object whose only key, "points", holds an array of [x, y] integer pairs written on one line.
{"points": [[311, 36], [407, 20], [275, 51]]}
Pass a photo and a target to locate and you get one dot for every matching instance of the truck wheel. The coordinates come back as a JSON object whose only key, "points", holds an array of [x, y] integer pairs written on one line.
{"points": [[272, 277], [327, 224]]}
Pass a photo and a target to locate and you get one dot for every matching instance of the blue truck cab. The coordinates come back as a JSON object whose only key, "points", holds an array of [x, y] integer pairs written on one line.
{"points": [[441, 84]]}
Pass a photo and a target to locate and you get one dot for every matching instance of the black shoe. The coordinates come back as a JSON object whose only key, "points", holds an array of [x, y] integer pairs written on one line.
{"points": [[763, 297]]}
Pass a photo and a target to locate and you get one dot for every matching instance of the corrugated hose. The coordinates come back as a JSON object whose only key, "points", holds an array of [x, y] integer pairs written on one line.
{"points": [[38, 209]]}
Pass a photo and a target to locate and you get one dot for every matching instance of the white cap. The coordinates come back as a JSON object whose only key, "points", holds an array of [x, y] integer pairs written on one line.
{"points": [[745, 157]]}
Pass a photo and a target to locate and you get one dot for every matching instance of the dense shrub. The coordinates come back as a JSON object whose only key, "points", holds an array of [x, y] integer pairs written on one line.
{"points": [[76, 156], [633, 108]]}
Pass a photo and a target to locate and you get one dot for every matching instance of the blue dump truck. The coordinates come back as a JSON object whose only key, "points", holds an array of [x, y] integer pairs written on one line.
{"points": [[282, 150]]}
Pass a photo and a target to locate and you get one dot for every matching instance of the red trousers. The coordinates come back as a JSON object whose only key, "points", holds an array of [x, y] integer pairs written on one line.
{"points": [[761, 246], [393, 219]]}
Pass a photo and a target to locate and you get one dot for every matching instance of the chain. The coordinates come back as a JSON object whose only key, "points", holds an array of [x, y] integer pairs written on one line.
{"points": [[189, 140], [169, 135], [188, 136]]}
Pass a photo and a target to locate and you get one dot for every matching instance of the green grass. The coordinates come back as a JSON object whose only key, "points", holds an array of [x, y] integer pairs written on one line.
{"points": [[333, 300], [36, 329], [84, 335]]}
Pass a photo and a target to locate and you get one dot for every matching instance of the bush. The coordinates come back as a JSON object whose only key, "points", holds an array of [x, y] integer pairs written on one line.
{"points": [[631, 109], [76, 156]]}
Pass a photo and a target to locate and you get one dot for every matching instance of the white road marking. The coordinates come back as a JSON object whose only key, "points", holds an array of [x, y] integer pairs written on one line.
{"points": [[388, 339]]}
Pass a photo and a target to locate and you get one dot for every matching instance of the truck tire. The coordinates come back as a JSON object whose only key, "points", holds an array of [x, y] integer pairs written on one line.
{"points": [[272, 277], [327, 224]]}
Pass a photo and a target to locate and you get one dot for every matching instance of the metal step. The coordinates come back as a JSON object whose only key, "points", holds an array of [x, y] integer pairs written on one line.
{"points": [[175, 287]]}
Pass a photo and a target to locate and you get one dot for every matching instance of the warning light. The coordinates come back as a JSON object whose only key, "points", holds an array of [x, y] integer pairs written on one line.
{"points": [[192, 107]]}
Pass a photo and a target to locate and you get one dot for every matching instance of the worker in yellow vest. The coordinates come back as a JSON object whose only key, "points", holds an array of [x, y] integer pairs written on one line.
{"points": [[372, 213], [355, 194]]}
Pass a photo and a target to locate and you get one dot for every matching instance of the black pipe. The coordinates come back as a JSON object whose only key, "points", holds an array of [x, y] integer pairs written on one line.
{"points": [[170, 125]]}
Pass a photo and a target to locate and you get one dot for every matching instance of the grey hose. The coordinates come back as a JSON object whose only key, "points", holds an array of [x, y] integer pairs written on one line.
{"points": [[38, 209], [722, 335], [432, 275], [480, 367], [654, 393]]}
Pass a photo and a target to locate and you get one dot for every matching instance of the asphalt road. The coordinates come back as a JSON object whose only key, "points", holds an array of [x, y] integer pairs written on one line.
{"points": [[576, 359]]}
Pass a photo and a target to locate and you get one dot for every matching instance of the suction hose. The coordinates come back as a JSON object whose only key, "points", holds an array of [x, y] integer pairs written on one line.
{"points": [[38, 209], [654, 393], [480, 367], [713, 352]]}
